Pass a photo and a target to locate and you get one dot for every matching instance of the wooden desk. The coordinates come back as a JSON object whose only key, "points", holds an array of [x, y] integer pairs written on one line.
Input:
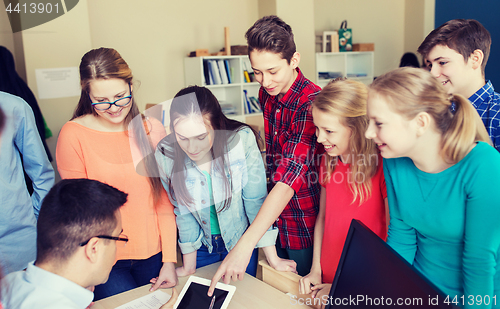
{"points": [[250, 293]]}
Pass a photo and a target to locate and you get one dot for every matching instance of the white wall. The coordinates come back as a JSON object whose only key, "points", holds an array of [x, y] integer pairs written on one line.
{"points": [[155, 36], [372, 21], [299, 14], [429, 16], [419, 21], [57, 44]]}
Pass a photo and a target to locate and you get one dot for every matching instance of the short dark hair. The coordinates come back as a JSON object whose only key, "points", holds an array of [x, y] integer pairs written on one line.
{"points": [[462, 35], [409, 60], [2, 121], [73, 211], [271, 34]]}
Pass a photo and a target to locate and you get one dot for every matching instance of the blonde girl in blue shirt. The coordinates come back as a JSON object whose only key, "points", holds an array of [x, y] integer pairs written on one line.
{"points": [[443, 180], [213, 171]]}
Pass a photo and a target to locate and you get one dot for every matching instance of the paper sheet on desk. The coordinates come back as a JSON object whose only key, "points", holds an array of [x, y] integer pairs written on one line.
{"points": [[151, 301]]}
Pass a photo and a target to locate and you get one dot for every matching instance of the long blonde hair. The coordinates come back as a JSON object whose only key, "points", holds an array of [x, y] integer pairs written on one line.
{"points": [[347, 99], [411, 91]]}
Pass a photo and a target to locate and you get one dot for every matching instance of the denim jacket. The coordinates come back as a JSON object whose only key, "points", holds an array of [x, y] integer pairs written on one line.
{"points": [[249, 190]]}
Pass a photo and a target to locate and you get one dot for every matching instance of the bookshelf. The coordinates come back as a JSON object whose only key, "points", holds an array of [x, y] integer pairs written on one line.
{"points": [[354, 65], [230, 94]]}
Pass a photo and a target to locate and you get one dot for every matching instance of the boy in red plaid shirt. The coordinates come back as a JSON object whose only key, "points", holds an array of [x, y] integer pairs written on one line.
{"points": [[285, 96]]}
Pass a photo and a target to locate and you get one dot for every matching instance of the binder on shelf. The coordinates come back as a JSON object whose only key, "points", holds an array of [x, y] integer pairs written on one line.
{"points": [[248, 105], [214, 70], [247, 70], [246, 77], [222, 71], [206, 73], [254, 102], [211, 72], [228, 70]]}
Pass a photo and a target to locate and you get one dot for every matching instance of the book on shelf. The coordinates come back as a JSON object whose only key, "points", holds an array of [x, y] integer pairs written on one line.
{"points": [[228, 109], [329, 75], [248, 105], [222, 71], [228, 70], [246, 77], [217, 72], [206, 72], [248, 74], [356, 74], [254, 103], [214, 71]]}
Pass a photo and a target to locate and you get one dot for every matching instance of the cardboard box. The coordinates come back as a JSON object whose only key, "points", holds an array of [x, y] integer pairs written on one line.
{"points": [[363, 47], [286, 282], [257, 123]]}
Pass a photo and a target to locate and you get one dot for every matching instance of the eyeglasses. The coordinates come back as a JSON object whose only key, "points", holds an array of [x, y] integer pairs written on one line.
{"points": [[121, 102], [124, 238]]}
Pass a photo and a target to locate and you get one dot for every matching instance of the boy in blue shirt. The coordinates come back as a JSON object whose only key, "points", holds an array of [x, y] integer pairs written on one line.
{"points": [[456, 54]]}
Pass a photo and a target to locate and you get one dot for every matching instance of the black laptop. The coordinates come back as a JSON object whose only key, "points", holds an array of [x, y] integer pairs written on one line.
{"points": [[371, 274]]}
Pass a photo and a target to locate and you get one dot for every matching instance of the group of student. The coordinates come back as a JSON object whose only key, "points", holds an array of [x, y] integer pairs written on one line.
{"points": [[409, 156]]}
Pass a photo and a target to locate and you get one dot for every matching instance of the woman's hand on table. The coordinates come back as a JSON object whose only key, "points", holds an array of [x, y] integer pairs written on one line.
{"points": [[166, 279]]}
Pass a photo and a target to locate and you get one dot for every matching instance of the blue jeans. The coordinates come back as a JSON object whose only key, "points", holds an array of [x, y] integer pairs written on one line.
{"points": [[129, 274], [219, 252]]}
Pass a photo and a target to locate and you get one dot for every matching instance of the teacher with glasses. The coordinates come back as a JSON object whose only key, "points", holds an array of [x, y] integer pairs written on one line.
{"points": [[108, 140]]}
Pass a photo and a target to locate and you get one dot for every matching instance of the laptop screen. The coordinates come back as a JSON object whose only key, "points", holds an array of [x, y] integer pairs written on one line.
{"points": [[372, 274]]}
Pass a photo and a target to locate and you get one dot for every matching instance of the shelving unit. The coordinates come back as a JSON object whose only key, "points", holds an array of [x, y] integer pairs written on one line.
{"points": [[225, 93], [354, 65]]}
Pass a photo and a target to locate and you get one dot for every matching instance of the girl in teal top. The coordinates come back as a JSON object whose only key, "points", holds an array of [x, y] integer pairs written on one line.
{"points": [[443, 184]]}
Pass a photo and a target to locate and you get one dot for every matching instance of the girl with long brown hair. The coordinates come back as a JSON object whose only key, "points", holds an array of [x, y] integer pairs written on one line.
{"points": [[213, 171], [102, 141]]}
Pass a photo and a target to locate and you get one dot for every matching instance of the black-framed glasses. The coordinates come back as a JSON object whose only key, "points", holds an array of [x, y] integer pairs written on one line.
{"points": [[123, 238], [121, 102]]}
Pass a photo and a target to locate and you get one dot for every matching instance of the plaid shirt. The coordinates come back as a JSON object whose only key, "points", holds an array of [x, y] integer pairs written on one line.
{"points": [[291, 148], [487, 103]]}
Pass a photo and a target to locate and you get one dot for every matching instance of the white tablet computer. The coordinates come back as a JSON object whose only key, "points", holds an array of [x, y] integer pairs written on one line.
{"points": [[194, 295]]}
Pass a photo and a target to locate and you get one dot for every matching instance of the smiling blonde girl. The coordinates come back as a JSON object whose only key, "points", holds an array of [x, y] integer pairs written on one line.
{"points": [[443, 180], [351, 174]]}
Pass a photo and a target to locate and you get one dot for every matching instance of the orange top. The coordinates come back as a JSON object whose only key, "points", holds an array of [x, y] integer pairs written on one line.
{"points": [[108, 157]]}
